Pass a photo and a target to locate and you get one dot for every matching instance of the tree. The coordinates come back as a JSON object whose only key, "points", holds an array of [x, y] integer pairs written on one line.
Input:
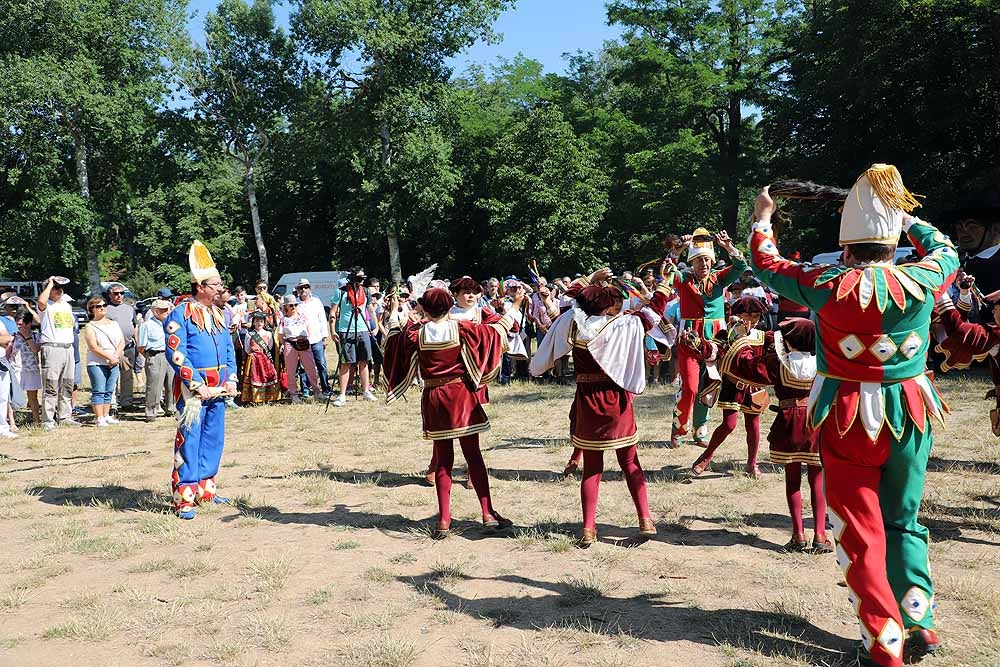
{"points": [[79, 82], [548, 196], [711, 60], [389, 58], [916, 84], [242, 84]]}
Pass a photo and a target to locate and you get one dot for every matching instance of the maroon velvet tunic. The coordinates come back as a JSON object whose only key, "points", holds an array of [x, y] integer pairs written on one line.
{"points": [[455, 368], [791, 439], [601, 416]]}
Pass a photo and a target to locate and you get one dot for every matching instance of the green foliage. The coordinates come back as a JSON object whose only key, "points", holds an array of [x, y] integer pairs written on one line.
{"points": [[355, 133], [548, 196], [916, 84]]}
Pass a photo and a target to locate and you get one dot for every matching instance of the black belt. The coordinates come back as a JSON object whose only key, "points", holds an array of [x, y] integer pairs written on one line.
{"points": [[153, 353]]}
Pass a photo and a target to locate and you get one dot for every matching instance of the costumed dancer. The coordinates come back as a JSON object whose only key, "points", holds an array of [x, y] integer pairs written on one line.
{"points": [[872, 401], [963, 342], [702, 310], [786, 360], [733, 392], [200, 350], [456, 360], [607, 349], [466, 293], [262, 359]]}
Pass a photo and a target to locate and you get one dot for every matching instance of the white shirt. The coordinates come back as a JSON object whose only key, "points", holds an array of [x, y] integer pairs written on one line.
{"points": [[106, 336], [312, 308], [57, 323]]}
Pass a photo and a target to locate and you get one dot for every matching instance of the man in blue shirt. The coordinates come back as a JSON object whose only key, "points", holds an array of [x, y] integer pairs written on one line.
{"points": [[151, 346]]}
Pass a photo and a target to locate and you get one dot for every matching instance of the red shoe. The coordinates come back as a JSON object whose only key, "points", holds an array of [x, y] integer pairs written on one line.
{"points": [[429, 477], [919, 643], [700, 466]]}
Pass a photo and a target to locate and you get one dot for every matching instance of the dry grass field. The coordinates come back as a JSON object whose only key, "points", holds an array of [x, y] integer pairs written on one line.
{"points": [[326, 557]]}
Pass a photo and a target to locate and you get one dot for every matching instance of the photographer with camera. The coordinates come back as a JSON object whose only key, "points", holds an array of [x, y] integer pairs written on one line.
{"points": [[350, 329]]}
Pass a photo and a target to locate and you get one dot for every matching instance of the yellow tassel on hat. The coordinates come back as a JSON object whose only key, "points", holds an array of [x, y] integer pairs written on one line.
{"points": [[201, 262], [887, 184]]}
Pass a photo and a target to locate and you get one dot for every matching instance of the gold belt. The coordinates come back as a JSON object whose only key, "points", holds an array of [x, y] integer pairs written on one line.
{"points": [[746, 385], [440, 382]]}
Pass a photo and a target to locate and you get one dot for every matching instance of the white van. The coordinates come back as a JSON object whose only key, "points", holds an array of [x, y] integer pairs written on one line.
{"points": [[325, 284], [834, 257]]}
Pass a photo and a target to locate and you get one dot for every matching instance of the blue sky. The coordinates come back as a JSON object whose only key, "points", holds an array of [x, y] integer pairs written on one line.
{"points": [[540, 29]]}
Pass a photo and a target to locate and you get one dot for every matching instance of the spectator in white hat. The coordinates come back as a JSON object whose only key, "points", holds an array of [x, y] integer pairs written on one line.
{"points": [[151, 346], [57, 365], [312, 308], [294, 331]]}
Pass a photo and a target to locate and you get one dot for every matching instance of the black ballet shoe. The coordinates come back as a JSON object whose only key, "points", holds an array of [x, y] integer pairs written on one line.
{"points": [[570, 469], [797, 544], [647, 528], [442, 531], [494, 522], [824, 546]]}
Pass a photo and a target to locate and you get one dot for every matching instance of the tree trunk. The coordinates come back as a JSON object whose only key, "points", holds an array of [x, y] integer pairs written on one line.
{"points": [[258, 236], [83, 178], [731, 167], [391, 237]]}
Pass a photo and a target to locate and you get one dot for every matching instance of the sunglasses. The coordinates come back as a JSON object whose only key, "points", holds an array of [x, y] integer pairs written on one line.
{"points": [[117, 293], [99, 305]]}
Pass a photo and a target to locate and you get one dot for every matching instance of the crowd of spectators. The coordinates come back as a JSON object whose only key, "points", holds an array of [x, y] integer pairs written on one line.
{"points": [[282, 346]]}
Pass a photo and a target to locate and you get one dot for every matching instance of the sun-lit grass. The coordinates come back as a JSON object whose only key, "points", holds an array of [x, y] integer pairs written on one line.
{"points": [[326, 556]]}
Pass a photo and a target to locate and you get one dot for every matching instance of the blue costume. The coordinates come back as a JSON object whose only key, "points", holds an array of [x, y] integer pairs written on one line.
{"points": [[200, 350]]}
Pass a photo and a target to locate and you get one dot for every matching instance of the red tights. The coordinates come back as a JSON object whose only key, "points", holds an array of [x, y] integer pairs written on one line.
{"points": [[793, 483], [729, 420], [593, 467], [444, 459]]}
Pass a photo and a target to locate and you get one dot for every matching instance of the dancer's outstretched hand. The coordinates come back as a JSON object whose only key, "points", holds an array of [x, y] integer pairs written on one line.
{"points": [[764, 207]]}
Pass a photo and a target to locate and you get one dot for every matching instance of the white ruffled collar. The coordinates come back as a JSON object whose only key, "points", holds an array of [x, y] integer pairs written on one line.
{"points": [[800, 365]]}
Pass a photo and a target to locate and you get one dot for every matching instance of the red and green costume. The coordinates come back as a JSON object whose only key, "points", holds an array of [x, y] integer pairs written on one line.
{"points": [[702, 305], [873, 404]]}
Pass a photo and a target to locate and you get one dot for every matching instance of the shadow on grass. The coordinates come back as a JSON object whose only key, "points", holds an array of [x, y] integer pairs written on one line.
{"points": [[379, 478], [119, 498], [937, 464], [649, 617]]}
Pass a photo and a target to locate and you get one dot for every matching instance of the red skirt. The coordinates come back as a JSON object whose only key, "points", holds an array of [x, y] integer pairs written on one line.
{"points": [[260, 379], [451, 411], [791, 440], [602, 417]]}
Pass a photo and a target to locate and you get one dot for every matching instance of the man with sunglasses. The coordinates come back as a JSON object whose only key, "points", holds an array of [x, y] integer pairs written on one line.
{"points": [[124, 315], [200, 350]]}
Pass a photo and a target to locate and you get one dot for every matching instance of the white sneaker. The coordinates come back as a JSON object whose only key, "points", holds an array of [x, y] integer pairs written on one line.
{"points": [[369, 396], [70, 422], [49, 426], [339, 402], [102, 421], [111, 420], [9, 435]]}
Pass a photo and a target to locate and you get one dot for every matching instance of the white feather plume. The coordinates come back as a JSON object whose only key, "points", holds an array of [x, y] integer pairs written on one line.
{"points": [[419, 282]]}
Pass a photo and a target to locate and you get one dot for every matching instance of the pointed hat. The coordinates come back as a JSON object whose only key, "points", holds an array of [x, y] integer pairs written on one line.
{"points": [[202, 265], [873, 212], [701, 244]]}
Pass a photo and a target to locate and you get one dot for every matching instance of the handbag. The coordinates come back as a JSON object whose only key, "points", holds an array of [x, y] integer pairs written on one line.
{"points": [[709, 396]]}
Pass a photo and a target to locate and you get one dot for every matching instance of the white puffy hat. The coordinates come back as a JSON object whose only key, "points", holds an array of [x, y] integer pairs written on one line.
{"points": [[202, 264], [873, 212]]}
